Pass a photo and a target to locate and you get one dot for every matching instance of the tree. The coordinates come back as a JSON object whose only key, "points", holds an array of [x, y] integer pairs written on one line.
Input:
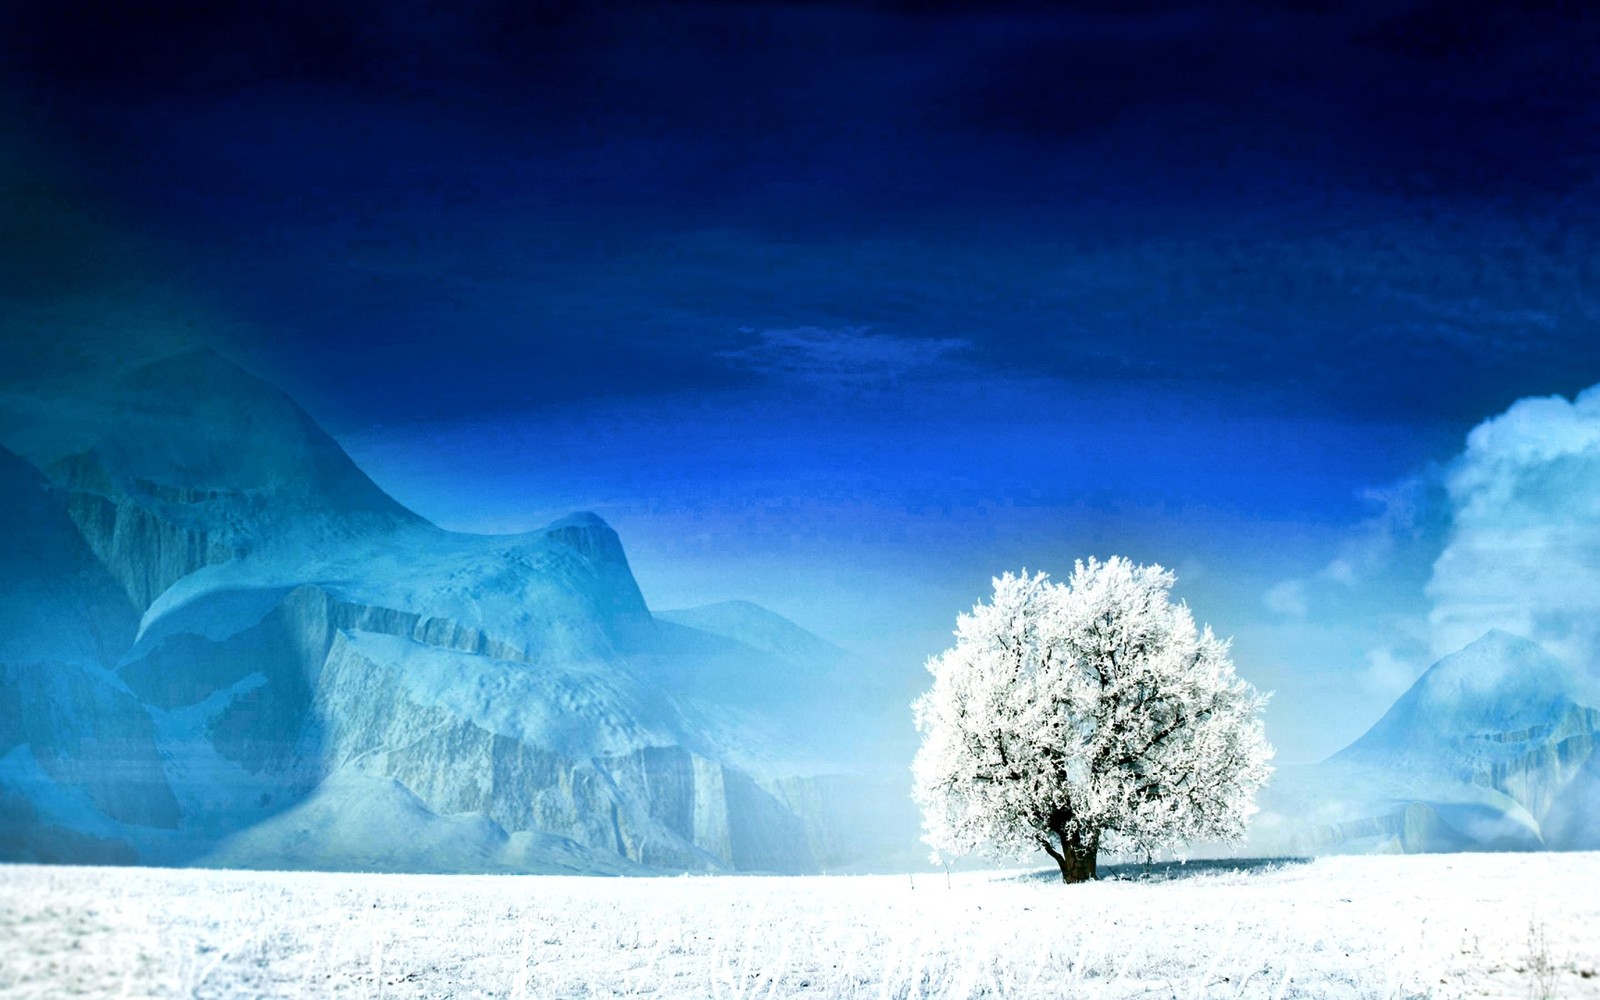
{"points": [[1085, 716]]}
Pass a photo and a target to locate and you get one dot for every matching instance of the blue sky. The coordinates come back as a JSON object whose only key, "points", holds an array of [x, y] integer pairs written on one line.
{"points": [[845, 308]]}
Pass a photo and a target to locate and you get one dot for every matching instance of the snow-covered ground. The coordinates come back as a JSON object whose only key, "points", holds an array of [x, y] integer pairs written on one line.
{"points": [[1440, 925]]}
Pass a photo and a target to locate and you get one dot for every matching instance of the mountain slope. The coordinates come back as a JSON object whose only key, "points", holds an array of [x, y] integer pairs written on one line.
{"points": [[356, 822], [295, 626], [759, 629], [831, 736], [72, 736], [1493, 747], [189, 461], [56, 601], [1500, 691]]}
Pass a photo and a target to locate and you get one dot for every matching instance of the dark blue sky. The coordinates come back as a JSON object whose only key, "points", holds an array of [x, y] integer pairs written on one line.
{"points": [[844, 307]]}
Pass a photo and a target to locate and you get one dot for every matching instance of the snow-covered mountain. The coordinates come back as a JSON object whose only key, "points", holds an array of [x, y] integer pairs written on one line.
{"points": [[758, 628], [1493, 748], [232, 647]]}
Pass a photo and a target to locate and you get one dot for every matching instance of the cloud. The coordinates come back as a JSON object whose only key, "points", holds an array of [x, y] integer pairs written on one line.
{"points": [[1406, 515], [1388, 672], [1288, 599], [1392, 547], [849, 359], [1523, 550]]}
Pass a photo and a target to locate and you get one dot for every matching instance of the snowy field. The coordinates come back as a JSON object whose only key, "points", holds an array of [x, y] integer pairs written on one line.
{"points": [[1442, 925]]}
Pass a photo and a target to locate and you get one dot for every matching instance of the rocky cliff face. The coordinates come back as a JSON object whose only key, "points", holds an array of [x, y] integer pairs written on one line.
{"points": [[82, 731], [586, 762], [284, 639], [70, 732], [1493, 748], [188, 461], [468, 723]]}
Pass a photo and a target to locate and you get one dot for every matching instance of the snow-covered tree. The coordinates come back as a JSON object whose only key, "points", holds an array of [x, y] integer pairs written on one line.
{"points": [[1086, 715]]}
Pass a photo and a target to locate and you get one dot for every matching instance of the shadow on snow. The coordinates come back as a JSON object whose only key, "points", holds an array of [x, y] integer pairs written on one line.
{"points": [[1169, 871]]}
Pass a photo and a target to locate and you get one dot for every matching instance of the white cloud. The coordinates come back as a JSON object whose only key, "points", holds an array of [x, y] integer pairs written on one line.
{"points": [[1341, 571], [1523, 552], [1288, 599], [1380, 553], [1388, 673], [1403, 513]]}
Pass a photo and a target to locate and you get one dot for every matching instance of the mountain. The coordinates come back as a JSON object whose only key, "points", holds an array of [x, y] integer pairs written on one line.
{"points": [[283, 663], [67, 722], [839, 761], [1493, 748], [759, 629], [48, 574], [188, 461], [365, 823]]}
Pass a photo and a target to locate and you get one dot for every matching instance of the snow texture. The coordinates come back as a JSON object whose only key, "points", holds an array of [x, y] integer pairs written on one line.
{"points": [[1349, 928]]}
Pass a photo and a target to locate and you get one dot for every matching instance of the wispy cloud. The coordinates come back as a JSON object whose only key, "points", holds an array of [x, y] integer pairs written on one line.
{"points": [[1506, 535], [1406, 521], [1388, 671], [848, 359], [1288, 599]]}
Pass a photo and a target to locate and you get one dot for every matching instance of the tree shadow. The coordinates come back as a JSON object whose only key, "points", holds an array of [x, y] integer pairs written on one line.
{"points": [[1172, 871]]}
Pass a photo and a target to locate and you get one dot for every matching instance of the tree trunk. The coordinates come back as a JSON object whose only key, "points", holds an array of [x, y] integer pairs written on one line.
{"points": [[1078, 856]]}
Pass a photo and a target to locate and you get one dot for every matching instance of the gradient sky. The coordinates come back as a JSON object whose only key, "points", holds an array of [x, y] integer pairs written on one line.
{"points": [[846, 307]]}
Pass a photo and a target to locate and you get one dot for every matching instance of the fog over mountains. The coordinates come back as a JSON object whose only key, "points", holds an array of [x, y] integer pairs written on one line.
{"points": [[226, 645], [222, 644], [1493, 748]]}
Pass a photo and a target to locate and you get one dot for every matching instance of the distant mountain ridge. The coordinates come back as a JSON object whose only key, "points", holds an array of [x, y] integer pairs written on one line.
{"points": [[281, 639], [1501, 689], [1492, 748], [758, 628], [192, 427]]}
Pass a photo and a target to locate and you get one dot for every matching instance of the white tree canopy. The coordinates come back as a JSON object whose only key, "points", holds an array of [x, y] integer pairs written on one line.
{"points": [[1094, 713]]}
